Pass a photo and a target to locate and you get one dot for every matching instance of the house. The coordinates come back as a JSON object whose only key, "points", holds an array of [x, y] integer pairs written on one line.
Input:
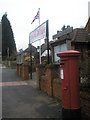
{"points": [[71, 39], [20, 57], [87, 27], [44, 52], [27, 52], [24, 55]]}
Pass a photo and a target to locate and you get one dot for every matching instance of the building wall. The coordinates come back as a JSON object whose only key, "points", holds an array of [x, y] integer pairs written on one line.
{"points": [[87, 27], [82, 47]]}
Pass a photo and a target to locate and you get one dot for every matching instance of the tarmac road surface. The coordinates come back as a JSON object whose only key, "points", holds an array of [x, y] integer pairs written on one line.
{"points": [[21, 99]]}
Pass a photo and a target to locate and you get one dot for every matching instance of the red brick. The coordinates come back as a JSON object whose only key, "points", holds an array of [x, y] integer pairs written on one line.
{"points": [[57, 88], [25, 72]]}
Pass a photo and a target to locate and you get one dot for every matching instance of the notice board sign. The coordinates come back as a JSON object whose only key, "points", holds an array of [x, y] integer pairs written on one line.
{"points": [[38, 33]]}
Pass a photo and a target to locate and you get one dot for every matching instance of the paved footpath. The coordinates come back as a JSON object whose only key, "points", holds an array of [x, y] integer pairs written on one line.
{"points": [[21, 99]]}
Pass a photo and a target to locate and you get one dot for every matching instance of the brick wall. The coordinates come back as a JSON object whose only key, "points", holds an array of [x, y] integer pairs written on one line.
{"points": [[45, 76], [57, 88], [49, 81], [20, 68], [25, 72], [44, 83], [20, 72], [51, 75], [37, 77], [17, 69], [40, 71]]}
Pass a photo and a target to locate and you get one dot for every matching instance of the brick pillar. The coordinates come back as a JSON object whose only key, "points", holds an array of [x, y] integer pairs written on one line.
{"points": [[17, 69], [21, 70], [25, 72], [37, 77], [40, 71], [51, 74], [57, 88]]}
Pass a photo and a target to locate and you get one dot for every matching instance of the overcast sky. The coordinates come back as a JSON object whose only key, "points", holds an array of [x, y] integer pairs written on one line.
{"points": [[58, 12]]}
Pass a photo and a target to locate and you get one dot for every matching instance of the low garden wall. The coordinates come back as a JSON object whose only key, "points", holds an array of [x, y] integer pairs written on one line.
{"points": [[57, 88], [48, 80], [40, 71], [23, 71]]}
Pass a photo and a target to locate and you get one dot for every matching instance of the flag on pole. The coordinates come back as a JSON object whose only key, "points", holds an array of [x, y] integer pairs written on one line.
{"points": [[37, 16]]}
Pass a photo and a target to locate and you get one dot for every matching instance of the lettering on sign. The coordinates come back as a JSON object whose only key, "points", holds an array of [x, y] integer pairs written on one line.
{"points": [[38, 33]]}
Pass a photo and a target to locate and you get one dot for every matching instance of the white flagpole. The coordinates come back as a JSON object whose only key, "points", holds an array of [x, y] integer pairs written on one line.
{"points": [[40, 39], [39, 15]]}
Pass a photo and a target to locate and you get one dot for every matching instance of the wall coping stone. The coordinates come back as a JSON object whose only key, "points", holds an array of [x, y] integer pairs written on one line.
{"points": [[40, 66], [52, 66]]}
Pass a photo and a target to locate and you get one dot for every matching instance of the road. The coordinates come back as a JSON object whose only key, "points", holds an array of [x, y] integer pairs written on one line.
{"points": [[21, 99]]}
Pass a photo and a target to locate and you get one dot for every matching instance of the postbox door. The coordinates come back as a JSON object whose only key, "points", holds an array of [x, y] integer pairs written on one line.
{"points": [[64, 75]]}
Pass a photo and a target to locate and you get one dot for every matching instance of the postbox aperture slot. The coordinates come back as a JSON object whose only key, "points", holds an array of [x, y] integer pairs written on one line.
{"points": [[61, 74]]}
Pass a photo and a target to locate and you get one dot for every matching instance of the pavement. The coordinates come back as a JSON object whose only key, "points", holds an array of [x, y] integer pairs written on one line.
{"points": [[21, 99]]}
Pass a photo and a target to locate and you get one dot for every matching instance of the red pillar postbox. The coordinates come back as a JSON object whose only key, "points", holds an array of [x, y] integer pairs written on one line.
{"points": [[69, 75]]}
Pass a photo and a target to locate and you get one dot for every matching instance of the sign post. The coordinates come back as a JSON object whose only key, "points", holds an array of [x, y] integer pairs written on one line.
{"points": [[30, 59], [47, 37]]}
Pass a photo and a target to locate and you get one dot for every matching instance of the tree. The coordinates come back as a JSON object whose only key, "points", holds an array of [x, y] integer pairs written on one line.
{"points": [[8, 42]]}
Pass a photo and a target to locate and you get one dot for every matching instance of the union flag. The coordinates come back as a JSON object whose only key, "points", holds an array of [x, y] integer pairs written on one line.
{"points": [[37, 16]]}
